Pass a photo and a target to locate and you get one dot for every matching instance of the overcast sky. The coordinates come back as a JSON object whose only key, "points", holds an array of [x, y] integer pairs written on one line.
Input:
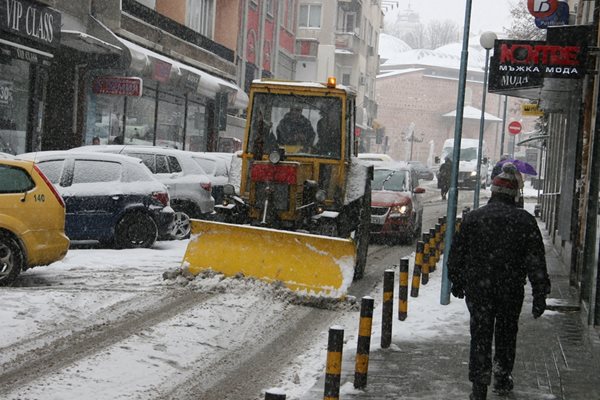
{"points": [[485, 14]]}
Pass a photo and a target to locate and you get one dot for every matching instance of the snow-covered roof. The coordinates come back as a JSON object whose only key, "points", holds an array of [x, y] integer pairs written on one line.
{"points": [[390, 45], [432, 58], [387, 74], [470, 112]]}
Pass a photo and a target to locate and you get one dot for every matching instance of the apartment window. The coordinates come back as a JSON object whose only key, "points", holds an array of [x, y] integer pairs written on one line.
{"points": [[290, 15], [349, 22], [270, 7], [200, 16], [310, 16]]}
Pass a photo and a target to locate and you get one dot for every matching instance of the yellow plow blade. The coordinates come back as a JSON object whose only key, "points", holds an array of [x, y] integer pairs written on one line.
{"points": [[302, 262]]}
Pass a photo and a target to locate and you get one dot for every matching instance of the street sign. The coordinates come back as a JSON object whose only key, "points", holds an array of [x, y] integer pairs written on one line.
{"points": [[531, 110], [514, 128], [542, 8]]}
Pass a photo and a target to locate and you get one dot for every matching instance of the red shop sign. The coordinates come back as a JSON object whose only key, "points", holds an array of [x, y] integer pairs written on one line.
{"points": [[117, 85]]}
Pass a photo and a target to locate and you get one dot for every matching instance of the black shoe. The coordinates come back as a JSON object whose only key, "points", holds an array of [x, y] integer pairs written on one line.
{"points": [[503, 385], [479, 392]]}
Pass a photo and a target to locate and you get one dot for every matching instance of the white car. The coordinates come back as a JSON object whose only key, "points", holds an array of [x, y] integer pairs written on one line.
{"points": [[375, 158], [189, 185], [217, 166]]}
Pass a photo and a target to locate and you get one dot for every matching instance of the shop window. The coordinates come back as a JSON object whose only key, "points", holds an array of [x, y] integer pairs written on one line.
{"points": [[169, 125], [195, 127], [14, 106], [105, 118], [140, 118], [310, 16]]}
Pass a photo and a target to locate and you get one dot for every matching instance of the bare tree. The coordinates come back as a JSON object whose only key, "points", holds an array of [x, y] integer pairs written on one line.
{"points": [[416, 38], [440, 33], [522, 25]]}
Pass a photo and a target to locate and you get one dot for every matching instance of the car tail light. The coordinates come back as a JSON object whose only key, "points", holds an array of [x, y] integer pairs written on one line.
{"points": [[163, 197], [50, 186], [206, 186]]}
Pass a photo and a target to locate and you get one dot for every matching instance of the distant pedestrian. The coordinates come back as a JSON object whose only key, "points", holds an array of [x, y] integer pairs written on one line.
{"points": [[95, 140], [444, 177], [496, 248]]}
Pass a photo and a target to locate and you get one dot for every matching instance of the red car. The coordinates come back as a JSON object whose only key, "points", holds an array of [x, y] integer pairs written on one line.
{"points": [[396, 207]]}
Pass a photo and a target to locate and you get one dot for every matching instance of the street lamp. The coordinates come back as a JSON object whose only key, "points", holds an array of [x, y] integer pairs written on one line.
{"points": [[486, 40]]}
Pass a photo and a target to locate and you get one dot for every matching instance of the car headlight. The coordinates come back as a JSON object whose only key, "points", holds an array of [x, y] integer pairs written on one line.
{"points": [[399, 210], [228, 190], [274, 157], [321, 195], [473, 173]]}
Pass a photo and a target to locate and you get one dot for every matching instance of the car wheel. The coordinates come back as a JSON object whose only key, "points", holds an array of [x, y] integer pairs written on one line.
{"points": [[135, 230], [182, 225], [11, 259]]}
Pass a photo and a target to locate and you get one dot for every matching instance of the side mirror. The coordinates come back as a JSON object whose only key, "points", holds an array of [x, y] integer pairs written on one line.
{"points": [[419, 190], [437, 160]]}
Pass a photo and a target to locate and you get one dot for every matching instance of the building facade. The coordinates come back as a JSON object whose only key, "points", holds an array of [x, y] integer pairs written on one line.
{"points": [[146, 72], [341, 38]]}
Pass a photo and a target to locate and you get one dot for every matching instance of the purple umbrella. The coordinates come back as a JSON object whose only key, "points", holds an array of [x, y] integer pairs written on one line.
{"points": [[522, 166]]}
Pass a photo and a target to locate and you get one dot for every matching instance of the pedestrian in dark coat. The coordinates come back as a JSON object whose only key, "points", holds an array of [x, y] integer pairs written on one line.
{"points": [[495, 249], [444, 177]]}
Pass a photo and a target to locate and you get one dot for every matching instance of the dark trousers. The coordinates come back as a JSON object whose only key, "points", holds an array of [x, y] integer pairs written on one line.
{"points": [[494, 318]]}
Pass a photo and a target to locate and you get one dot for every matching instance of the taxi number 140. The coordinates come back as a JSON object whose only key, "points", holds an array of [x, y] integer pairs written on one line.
{"points": [[39, 198]]}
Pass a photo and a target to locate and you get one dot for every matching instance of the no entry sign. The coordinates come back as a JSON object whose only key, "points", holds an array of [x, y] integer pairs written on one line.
{"points": [[514, 127]]}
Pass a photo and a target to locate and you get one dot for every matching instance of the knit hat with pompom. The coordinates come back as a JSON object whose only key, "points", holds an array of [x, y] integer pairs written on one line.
{"points": [[506, 182]]}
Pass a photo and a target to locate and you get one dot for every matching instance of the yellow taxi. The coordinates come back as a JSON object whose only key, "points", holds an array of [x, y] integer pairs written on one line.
{"points": [[32, 219]]}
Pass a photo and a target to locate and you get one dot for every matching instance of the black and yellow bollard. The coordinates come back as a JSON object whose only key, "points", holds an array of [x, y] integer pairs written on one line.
{"points": [[274, 394], [438, 241], [363, 345], [425, 266], [416, 278], [387, 308], [333, 371], [432, 251], [403, 290]]}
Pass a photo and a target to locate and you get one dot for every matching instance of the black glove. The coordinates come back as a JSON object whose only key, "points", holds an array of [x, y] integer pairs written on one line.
{"points": [[539, 306], [457, 291]]}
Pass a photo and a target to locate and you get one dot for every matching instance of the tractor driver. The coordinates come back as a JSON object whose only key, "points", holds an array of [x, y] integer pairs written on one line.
{"points": [[295, 129]]}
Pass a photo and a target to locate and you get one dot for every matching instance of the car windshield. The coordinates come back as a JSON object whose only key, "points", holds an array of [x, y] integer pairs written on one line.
{"points": [[466, 154], [393, 180], [303, 125]]}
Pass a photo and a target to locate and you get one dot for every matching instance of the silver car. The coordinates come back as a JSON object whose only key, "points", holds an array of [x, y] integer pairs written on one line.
{"points": [[188, 184]]}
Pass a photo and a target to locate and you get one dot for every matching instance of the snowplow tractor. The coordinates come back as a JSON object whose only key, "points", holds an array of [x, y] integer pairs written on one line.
{"points": [[298, 209]]}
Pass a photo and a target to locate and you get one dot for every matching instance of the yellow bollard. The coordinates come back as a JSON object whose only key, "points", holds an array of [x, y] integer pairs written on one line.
{"points": [[363, 345], [387, 308], [403, 290], [416, 278], [333, 371], [425, 267], [432, 251]]}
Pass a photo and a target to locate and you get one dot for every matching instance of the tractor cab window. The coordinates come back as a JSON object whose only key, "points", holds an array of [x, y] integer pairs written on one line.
{"points": [[303, 125]]}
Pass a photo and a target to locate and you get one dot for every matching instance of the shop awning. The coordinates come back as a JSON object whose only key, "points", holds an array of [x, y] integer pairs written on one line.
{"points": [[87, 43], [150, 64], [473, 113], [26, 53]]}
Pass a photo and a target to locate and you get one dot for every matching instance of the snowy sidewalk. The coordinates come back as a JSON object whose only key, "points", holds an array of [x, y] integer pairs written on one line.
{"points": [[558, 356]]}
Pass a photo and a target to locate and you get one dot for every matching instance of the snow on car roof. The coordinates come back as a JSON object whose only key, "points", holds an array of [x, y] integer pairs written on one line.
{"points": [[38, 155]]}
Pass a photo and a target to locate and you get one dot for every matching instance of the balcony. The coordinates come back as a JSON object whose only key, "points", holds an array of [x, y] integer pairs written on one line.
{"points": [[348, 43]]}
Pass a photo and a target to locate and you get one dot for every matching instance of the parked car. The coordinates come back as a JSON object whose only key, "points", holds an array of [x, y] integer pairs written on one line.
{"points": [[111, 198], [217, 167], [188, 184], [27, 239], [423, 171], [396, 207]]}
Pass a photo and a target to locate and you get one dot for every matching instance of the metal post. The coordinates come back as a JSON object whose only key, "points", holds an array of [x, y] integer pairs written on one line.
{"points": [[452, 193], [503, 126], [274, 394], [481, 128]]}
